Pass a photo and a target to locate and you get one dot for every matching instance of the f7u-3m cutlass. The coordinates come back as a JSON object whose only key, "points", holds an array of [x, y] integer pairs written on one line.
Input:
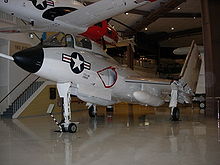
{"points": [[80, 67]]}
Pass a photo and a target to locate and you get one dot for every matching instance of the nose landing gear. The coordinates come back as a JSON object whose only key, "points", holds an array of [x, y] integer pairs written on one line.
{"points": [[66, 124], [72, 127]]}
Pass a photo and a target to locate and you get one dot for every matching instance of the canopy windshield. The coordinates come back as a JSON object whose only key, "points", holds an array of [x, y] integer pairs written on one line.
{"points": [[56, 40], [66, 40]]}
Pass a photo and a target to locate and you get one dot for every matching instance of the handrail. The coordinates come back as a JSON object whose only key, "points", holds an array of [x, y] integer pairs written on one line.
{"points": [[34, 81], [16, 87]]}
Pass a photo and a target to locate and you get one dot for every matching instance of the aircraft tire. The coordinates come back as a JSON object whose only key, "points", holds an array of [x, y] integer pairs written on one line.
{"points": [[176, 114], [92, 112], [72, 128], [202, 105], [110, 109]]}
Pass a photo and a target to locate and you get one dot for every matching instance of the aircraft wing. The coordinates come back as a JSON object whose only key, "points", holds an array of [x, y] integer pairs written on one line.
{"points": [[155, 81], [150, 95], [15, 29], [22, 29], [99, 11]]}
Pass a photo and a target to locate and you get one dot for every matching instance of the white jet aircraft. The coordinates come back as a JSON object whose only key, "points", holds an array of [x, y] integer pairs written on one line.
{"points": [[80, 67]]}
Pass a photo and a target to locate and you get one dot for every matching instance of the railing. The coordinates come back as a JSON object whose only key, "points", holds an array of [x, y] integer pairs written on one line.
{"points": [[15, 87], [20, 88], [25, 95]]}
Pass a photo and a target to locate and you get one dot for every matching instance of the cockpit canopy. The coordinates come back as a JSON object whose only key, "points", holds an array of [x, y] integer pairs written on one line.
{"points": [[67, 40]]}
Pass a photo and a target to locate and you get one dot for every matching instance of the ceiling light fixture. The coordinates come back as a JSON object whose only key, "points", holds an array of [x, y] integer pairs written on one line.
{"points": [[126, 13], [145, 29], [178, 8], [172, 28], [31, 35]]}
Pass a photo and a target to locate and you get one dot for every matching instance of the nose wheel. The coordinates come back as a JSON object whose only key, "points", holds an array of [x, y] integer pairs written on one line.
{"points": [[71, 128]]}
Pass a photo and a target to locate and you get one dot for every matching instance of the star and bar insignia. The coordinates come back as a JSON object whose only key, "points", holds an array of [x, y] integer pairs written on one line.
{"points": [[76, 61], [42, 4]]}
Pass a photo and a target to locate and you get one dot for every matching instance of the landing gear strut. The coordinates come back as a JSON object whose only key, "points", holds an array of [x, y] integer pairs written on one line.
{"points": [[66, 124], [175, 112]]}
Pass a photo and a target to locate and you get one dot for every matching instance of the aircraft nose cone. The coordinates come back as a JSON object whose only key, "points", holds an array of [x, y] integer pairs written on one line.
{"points": [[30, 59]]}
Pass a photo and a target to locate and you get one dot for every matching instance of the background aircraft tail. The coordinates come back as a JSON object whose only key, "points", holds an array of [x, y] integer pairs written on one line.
{"points": [[185, 87], [191, 67]]}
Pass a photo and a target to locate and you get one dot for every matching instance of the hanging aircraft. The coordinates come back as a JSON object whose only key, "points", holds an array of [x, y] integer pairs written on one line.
{"points": [[80, 67], [70, 16]]}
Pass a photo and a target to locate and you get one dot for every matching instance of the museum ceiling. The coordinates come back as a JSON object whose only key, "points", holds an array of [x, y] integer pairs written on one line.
{"points": [[174, 23]]}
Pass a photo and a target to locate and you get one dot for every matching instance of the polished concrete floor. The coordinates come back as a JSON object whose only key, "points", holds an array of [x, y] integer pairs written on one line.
{"points": [[126, 137]]}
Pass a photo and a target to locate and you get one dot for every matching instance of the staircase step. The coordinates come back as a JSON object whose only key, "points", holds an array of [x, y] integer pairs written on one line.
{"points": [[7, 113], [21, 99], [8, 116]]}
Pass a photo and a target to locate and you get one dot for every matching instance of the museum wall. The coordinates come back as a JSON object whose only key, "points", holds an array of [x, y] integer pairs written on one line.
{"points": [[39, 106], [4, 75], [10, 73]]}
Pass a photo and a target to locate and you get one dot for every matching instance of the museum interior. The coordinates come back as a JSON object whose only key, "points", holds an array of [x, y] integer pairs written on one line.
{"points": [[109, 82]]}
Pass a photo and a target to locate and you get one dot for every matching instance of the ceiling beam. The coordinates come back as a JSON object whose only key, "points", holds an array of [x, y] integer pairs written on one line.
{"points": [[172, 35], [181, 15], [167, 15], [183, 33], [121, 23], [154, 15]]}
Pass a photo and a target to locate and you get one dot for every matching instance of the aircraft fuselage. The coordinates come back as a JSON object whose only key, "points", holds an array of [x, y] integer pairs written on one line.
{"points": [[95, 76]]}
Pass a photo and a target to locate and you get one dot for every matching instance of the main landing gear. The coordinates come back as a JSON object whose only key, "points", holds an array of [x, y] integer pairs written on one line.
{"points": [[66, 124], [109, 108], [92, 110], [175, 114]]}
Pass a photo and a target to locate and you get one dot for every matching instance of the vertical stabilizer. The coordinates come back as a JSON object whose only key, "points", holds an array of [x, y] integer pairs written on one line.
{"points": [[191, 68]]}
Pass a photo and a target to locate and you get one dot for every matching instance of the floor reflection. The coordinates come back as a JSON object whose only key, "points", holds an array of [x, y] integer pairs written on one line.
{"points": [[218, 125], [128, 135]]}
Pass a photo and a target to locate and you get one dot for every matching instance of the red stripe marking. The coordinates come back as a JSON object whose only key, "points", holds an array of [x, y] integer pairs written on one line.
{"points": [[87, 65], [67, 58]]}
